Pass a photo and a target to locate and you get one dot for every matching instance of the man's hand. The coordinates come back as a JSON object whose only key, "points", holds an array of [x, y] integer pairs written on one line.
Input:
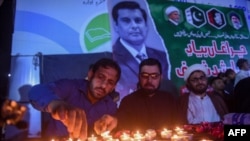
{"points": [[105, 123], [11, 112], [73, 118]]}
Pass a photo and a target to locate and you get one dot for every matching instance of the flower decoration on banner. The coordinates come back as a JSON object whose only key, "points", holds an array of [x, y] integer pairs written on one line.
{"points": [[215, 129]]}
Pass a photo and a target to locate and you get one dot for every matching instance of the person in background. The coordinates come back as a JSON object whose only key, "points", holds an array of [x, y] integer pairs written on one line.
{"points": [[219, 86], [76, 104], [147, 107], [199, 105], [244, 67], [229, 84], [242, 96], [173, 15], [131, 24]]}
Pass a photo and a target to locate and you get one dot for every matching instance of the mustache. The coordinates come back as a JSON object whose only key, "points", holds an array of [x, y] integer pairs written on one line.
{"points": [[99, 88], [149, 84]]}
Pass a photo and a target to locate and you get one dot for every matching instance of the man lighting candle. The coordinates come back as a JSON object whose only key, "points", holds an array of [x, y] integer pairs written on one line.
{"points": [[76, 104]]}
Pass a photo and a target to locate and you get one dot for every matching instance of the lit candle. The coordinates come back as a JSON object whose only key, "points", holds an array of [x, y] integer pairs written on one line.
{"points": [[92, 138], [138, 136], [188, 137], [106, 136], [176, 138], [177, 129], [166, 134], [150, 134], [125, 137], [181, 132]]}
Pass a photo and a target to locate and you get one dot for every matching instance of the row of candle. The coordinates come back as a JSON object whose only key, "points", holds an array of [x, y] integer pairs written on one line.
{"points": [[150, 134], [179, 134]]}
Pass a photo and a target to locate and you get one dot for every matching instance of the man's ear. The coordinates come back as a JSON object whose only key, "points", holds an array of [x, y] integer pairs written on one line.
{"points": [[90, 74], [115, 27]]}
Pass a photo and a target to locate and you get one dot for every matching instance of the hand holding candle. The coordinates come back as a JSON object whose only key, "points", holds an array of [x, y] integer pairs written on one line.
{"points": [[105, 123], [73, 118]]}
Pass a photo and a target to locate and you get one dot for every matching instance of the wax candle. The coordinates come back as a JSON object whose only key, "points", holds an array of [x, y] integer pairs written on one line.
{"points": [[92, 138], [176, 138], [177, 129], [125, 137], [138, 136], [181, 132], [106, 136], [150, 134], [188, 137], [166, 134]]}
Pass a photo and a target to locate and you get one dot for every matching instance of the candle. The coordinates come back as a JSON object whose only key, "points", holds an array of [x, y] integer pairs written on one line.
{"points": [[106, 136], [166, 134], [176, 138], [92, 138], [177, 129], [150, 134], [125, 137], [188, 137], [181, 132], [138, 136]]}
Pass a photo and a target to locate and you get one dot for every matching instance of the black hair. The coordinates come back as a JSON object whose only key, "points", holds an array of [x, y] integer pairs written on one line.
{"points": [[150, 62], [228, 72], [213, 79], [241, 62], [107, 62], [234, 14], [127, 5]]}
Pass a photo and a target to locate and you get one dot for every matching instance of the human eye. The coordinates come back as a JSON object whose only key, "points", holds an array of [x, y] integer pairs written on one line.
{"points": [[155, 75], [203, 78], [111, 82], [144, 75], [138, 20], [125, 20]]}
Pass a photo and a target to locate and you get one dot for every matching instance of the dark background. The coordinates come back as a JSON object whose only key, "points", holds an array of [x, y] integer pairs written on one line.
{"points": [[6, 30]]}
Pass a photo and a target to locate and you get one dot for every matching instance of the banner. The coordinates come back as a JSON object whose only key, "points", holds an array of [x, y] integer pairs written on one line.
{"points": [[214, 36]]}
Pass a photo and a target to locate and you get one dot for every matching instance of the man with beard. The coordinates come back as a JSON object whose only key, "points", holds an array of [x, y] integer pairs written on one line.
{"points": [[199, 106], [147, 107], [75, 104]]}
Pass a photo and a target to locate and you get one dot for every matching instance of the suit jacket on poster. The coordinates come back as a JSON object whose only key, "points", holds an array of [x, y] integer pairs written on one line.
{"points": [[130, 67]]}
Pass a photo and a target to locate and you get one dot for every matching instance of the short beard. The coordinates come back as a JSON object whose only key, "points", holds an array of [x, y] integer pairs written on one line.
{"points": [[148, 92], [197, 92]]}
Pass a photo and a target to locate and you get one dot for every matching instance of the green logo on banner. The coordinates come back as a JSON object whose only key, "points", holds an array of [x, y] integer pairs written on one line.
{"points": [[97, 32]]}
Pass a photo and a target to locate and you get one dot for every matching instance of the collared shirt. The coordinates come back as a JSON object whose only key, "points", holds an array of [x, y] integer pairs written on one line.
{"points": [[133, 51], [201, 109], [73, 92]]}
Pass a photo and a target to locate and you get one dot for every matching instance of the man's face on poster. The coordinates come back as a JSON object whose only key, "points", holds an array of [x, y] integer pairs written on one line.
{"points": [[235, 20], [131, 26]]}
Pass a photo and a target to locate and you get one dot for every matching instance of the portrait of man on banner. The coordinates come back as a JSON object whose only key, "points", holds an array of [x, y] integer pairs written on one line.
{"points": [[134, 42], [172, 14], [235, 20]]}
